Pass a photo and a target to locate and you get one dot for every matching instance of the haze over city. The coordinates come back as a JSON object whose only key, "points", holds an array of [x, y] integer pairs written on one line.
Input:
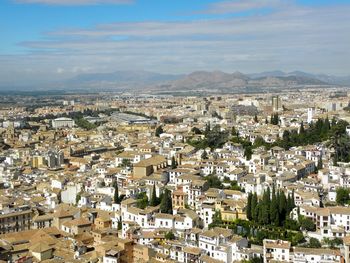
{"points": [[44, 41], [174, 131]]}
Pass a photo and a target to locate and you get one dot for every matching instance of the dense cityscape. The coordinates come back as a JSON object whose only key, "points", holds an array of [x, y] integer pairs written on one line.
{"points": [[183, 131], [230, 178]]}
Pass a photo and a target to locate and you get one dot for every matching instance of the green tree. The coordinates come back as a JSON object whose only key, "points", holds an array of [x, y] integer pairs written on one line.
{"points": [[126, 163], [217, 219], [342, 195], [248, 153], [255, 211], [320, 164], [214, 181], [265, 206], [142, 200], [159, 131], [77, 197], [207, 129], [166, 205], [233, 131], [274, 213], [307, 223], [282, 205], [169, 236], [195, 130], [120, 224], [154, 200], [204, 155], [302, 129], [173, 163], [249, 206], [258, 142], [314, 243], [116, 194]]}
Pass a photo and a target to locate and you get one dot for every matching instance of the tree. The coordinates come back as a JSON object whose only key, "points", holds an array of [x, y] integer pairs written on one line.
{"points": [[120, 224], [217, 219], [207, 129], [342, 195], [142, 200], [213, 181], [266, 207], [233, 131], [204, 155], [78, 197], [169, 236], [173, 163], [274, 119], [258, 142], [195, 130], [282, 203], [116, 194], [126, 163], [166, 205], [248, 153], [314, 243], [302, 129], [154, 200], [249, 206], [159, 131], [274, 213], [290, 204], [254, 207], [307, 223]]}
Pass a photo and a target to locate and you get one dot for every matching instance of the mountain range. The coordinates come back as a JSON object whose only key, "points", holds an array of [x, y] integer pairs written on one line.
{"points": [[129, 80], [200, 80]]}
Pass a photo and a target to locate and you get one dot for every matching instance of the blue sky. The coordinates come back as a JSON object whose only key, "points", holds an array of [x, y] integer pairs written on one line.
{"points": [[44, 40]]}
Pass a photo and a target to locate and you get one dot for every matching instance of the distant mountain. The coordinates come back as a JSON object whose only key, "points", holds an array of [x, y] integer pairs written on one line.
{"points": [[118, 79], [333, 80], [205, 79], [221, 80], [198, 80]]}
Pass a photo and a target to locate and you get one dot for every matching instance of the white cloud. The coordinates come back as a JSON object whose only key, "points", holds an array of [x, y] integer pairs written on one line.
{"points": [[74, 2], [293, 38], [236, 6]]}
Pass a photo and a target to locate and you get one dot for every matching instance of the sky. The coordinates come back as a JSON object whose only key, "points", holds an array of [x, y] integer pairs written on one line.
{"points": [[51, 40]]}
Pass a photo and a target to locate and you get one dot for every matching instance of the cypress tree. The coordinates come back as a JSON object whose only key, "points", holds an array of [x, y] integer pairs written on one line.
{"points": [[204, 155], [154, 200], [302, 129], [207, 129], [166, 205], [274, 213], [289, 205], [159, 131], [254, 210], [266, 206], [282, 206], [249, 206], [320, 164], [233, 131], [116, 194], [173, 163], [292, 200]]}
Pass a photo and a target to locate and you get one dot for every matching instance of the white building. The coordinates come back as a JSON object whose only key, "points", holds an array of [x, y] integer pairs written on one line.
{"points": [[62, 123]]}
